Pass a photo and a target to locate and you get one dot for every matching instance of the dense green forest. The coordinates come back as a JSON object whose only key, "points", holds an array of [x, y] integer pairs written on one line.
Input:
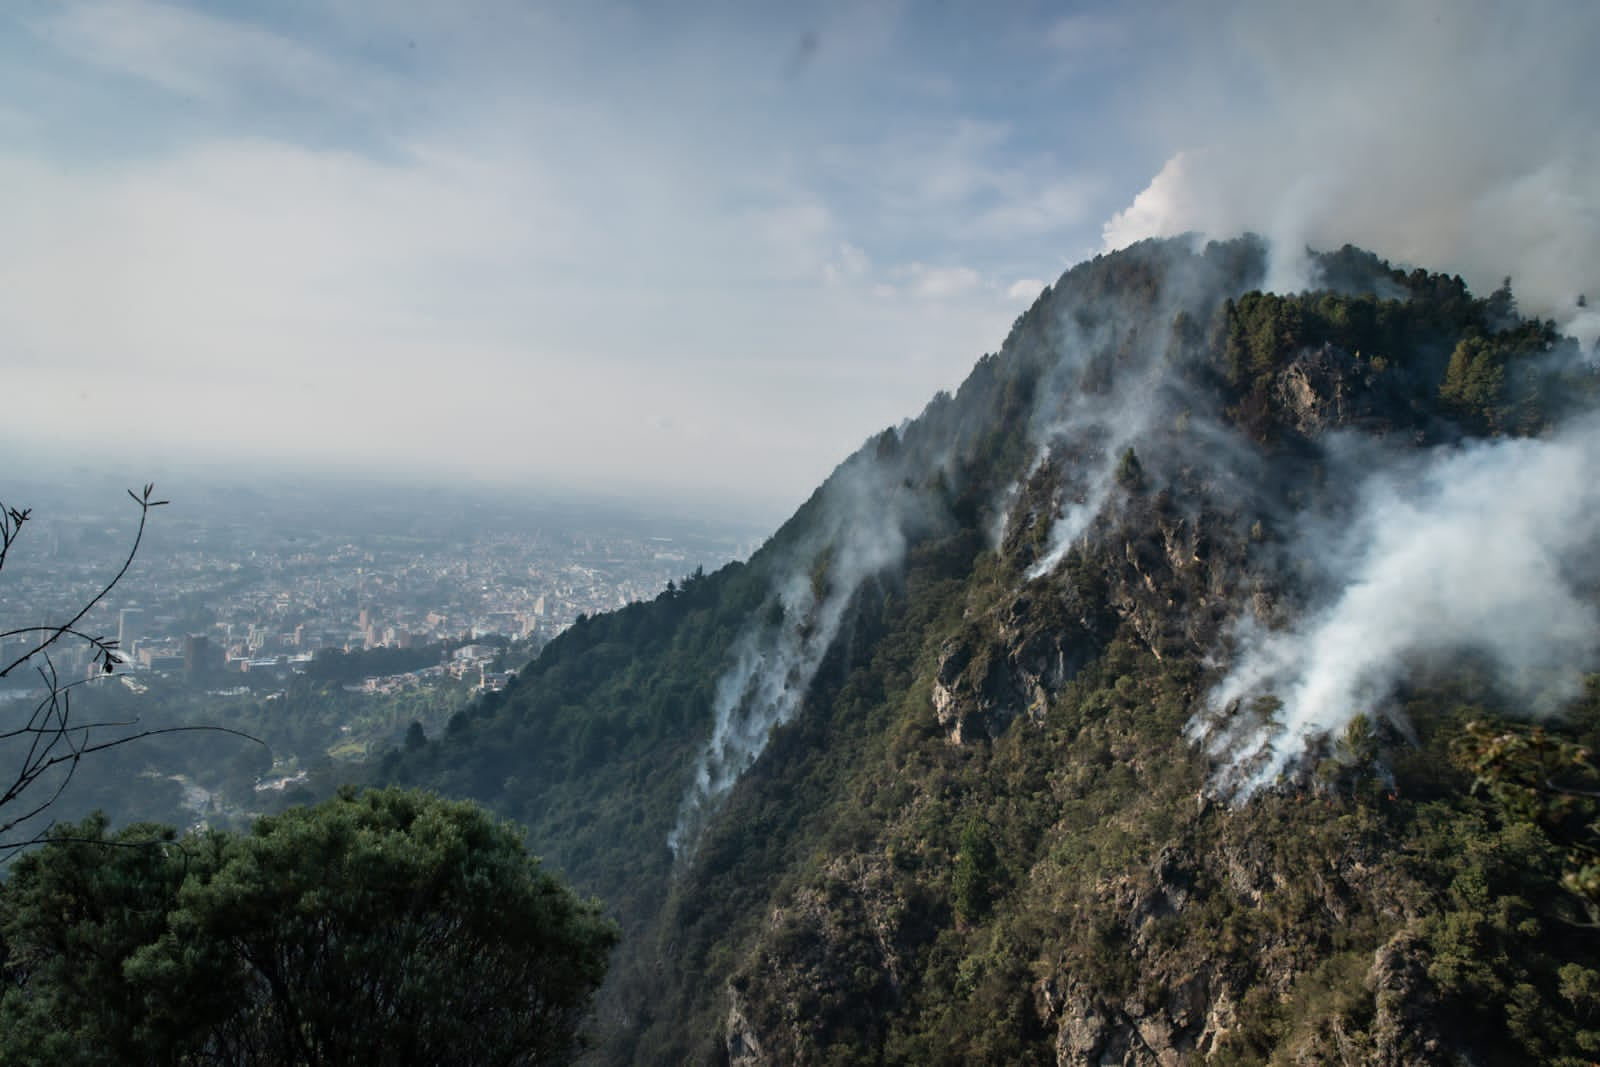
{"points": [[381, 927], [921, 781]]}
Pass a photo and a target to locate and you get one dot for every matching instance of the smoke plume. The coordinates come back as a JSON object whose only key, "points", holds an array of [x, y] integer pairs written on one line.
{"points": [[1483, 551], [1113, 383], [863, 515], [1458, 134]]}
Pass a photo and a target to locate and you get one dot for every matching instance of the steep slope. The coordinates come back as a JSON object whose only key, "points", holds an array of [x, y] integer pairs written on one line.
{"points": [[1008, 747]]}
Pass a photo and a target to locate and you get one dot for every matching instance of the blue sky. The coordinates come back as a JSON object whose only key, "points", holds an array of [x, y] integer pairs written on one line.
{"points": [[698, 249]]}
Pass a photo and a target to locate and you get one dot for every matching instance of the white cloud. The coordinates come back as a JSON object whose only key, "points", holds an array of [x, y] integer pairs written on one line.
{"points": [[1025, 289], [1021, 211], [192, 53], [979, 184], [314, 241], [1084, 40], [253, 245], [254, 296], [937, 283], [848, 265]]}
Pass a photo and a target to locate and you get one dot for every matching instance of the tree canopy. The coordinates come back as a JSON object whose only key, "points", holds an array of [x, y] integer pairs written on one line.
{"points": [[387, 926]]}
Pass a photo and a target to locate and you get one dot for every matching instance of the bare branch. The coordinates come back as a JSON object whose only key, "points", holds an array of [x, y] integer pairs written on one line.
{"points": [[11, 521], [55, 745], [55, 633]]}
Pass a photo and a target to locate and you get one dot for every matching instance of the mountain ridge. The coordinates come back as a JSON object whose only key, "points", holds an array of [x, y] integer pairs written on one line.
{"points": [[933, 777]]}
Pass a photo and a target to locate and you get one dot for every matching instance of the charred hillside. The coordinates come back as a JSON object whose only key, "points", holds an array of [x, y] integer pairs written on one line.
{"points": [[1115, 709]]}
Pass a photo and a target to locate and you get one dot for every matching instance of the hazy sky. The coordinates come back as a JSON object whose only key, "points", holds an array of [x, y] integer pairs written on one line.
{"points": [[702, 248]]}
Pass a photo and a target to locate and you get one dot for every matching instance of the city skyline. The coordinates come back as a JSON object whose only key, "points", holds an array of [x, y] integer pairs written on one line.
{"points": [[245, 582]]}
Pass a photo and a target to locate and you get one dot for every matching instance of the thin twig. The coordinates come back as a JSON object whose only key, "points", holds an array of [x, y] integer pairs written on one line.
{"points": [[70, 626]]}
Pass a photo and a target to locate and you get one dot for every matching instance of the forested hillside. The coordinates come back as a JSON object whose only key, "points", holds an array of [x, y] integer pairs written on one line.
{"points": [[1126, 706]]}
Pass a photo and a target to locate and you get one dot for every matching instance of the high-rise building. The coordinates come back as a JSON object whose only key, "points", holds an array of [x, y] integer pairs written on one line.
{"points": [[200, 658], [130, 627]]}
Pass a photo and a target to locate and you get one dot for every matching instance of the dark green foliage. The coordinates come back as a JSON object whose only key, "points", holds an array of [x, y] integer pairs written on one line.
{"points": [[349, 668], [1130, 474], [1399, 345], [72, 914], [1474, 380], [972, 884], [1548, 781], [378, 927], [416, 737]]}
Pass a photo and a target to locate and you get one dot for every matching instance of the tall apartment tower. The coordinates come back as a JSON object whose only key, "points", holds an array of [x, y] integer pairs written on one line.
{"points": [[201, 659], [130, 627]]}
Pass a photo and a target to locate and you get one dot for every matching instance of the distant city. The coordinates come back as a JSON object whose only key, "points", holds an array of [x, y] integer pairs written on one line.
{"points": [[227, 582]]}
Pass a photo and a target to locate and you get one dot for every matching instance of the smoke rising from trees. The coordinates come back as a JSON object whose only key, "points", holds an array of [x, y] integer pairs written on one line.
{"points": [[1464, 550], [863, 515], [1478, 554], [1460, 135]]}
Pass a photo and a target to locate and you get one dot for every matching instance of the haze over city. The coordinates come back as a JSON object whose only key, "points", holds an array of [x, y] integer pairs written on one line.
{"points": [[697, 250]]}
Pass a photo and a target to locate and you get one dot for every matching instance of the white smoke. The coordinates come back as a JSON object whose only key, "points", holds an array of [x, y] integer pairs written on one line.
{"points": [[862, 516], [1483, 551], [1087, 423], [1108, 428], [1585, 326], [1457, 134]]}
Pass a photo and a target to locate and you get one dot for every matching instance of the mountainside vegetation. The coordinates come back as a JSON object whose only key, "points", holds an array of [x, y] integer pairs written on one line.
{"points": [[967, 799], [940, 775], [381, 927]]}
